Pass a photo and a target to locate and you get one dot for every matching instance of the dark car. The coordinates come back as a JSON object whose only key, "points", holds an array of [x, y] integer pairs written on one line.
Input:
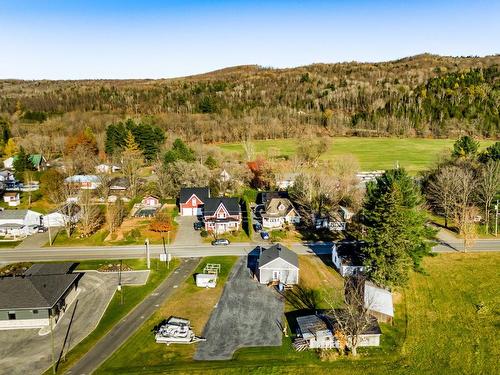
{"points": [[221, 242], [198, 225], [257, 227], [264, 235]]}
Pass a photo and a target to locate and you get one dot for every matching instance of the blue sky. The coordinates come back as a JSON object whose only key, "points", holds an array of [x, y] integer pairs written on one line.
{"points": [[75, 39]]}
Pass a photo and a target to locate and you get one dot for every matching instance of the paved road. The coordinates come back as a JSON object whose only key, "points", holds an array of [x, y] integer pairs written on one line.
{"points": [[127, 326], [127, 252], [239, 249]]}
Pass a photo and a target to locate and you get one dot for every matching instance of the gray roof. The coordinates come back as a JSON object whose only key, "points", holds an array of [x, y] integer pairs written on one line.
{"points": [[278, 251], [34, 292], [45, 269], [203, 193], [278, 207], [232, 206], [13, 214]]}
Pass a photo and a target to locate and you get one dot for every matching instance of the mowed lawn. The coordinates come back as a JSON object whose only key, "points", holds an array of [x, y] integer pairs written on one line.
{"points": [[414, 154], [447, 323]]}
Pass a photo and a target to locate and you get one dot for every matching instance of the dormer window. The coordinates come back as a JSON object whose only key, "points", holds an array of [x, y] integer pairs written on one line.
{"points": [[193, 201], [281, 207]]}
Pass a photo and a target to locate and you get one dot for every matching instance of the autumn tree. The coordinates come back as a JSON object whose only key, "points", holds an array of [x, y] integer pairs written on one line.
{"points": [[10, 148], [310, 150], [161, 223], [132, 160]]}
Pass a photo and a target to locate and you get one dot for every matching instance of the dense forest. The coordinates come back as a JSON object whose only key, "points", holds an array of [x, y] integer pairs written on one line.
{"points": [[421, 96]]}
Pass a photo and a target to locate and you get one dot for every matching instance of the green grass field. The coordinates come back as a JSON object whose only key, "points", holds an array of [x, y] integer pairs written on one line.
{"points": [[446, 323], [414, 154]]}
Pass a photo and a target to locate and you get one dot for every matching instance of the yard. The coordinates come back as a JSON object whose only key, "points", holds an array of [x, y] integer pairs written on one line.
{"points": [[132, 295], [446, 322], [133, 231], [190, 302], [414, 154]]}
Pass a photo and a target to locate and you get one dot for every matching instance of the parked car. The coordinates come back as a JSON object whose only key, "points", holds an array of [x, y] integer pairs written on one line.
{"points": [[42, 229], [221, 242], [264, 235], [198, 225], [257, 227]]}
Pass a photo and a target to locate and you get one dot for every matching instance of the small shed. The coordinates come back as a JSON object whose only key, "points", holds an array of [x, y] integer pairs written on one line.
{"points": [[12, 198], [151, 201], [278, 264], [379, 302]]}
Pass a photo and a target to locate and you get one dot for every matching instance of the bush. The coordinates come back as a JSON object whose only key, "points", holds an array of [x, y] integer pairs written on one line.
{"points": [[135, 233], [204, 233]]}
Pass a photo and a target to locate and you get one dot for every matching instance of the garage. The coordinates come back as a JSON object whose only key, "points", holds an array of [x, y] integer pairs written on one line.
{"points": [[188, 211]]}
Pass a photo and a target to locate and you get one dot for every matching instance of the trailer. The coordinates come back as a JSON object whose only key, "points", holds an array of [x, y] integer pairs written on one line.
{"points": [[208, 279]]}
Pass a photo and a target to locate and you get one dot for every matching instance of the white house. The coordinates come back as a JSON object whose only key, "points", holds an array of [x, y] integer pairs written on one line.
{"points": [[317, 332], [107, 168], [7, 176], [84, 182], [278, 264], [286, 180], [18, 222], [12, 198], [347, 258], [68, 213], [379, 302], [278, 212]]}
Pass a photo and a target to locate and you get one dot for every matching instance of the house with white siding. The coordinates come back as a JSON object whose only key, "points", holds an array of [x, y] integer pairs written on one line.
{"points": [[19, 223], [278, 264]]}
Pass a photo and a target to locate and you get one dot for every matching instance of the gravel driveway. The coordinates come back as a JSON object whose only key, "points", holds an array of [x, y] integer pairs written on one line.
{"points": [[26, 352], [247, 315]]}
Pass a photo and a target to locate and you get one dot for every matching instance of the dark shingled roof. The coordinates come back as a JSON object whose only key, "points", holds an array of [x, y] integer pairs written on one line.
{"points": [[232, 206], [201, 192], [45, 269], [278, 251], [350, 252], [34, 292]]}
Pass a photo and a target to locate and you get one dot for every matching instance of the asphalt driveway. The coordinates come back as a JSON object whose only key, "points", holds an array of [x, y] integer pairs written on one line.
{"points": [[247, 315], [26, 352], [186, 235]]}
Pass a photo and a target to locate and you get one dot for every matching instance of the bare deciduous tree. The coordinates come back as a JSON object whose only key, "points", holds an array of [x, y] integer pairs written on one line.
{"points": [[115, 214], [354, 318], [91, 217], [441, 192], [488, 187]]}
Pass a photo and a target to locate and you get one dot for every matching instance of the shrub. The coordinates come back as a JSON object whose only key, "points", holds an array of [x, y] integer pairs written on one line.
{"points": [[204, 233]]}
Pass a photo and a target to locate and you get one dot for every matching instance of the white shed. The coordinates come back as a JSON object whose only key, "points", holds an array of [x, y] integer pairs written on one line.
{"points": [[379, 302]]}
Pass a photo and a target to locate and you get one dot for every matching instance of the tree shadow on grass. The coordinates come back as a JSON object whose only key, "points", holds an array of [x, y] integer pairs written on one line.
{"points": [[303, 298]]}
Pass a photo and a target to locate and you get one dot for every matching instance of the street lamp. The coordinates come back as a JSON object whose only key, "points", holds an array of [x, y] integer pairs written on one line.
{"points": [[496, 218]]}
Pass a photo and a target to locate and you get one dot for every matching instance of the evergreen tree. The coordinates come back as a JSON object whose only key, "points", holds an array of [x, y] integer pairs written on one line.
{"points": [[465, 146], [22, 163], [491, 153], [396, 236], [179, 151]]}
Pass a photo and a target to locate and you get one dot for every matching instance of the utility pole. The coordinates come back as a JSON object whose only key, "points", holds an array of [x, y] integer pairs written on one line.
{"points": [[48, 227], [496, 218], [148, 260], [52, 345], [120, 288]]}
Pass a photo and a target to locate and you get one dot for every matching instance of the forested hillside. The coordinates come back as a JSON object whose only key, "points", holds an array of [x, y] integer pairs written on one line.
{"points": [[421, 96]]}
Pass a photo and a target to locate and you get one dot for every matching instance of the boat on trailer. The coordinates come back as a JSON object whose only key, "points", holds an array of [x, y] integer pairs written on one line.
{"points": [[176, 331]]}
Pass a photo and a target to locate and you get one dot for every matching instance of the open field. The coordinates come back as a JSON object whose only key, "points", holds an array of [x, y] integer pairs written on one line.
{"points": [[446, 323], [132, 296], [414, 154]]}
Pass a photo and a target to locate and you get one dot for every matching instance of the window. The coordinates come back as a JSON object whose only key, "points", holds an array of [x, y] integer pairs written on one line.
{"points": [[193, 202], [35, 312], [12, 315]]}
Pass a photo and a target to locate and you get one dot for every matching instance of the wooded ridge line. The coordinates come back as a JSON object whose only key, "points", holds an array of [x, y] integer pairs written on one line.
{"points": [[419, 96]]}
